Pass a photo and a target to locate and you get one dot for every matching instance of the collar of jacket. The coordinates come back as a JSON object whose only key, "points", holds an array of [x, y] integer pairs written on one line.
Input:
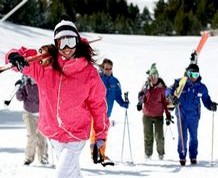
{"points": [[72, 65]]}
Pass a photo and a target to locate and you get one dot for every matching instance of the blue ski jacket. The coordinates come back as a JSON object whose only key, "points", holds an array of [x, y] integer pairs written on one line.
{"points": [[114, 93], [191, 96], [190, 111]]}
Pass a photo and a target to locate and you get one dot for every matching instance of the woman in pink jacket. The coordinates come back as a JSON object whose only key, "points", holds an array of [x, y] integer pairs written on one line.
{"points": [[71, 94]]}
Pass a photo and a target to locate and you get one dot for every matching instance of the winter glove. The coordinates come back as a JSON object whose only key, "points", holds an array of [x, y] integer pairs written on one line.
{"points": [[19, 82], [100, 143], [141, 94], [175, 100], [139, 106], [125, 104], [17, 60], [169, 120], [213, 106], [194, 57]]}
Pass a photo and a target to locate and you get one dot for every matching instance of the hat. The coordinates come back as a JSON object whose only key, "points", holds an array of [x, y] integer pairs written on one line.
{"points": [[193, 68], [65, 28], [153, 70]]}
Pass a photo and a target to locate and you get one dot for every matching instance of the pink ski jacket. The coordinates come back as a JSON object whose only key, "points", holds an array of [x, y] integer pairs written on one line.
{"points": [[68, 101]]}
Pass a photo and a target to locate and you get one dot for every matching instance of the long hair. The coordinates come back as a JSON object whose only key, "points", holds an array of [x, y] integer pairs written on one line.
{"points": [[83, 49]]}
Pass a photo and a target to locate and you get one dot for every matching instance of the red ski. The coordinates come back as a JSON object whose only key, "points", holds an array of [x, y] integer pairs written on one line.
{"points": [[194, 57]]}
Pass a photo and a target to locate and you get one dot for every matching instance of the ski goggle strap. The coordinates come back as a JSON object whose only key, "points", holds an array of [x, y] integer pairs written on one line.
{"points": [[193, 74], [67, 41]]}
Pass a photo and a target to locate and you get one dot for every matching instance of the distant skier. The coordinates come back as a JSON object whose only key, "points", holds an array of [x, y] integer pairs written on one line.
{"points": [[153, 102], [188, 111], [36, 142]]}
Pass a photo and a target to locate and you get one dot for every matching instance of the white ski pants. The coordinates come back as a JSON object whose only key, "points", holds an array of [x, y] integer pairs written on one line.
{"points": [[68, 158]]}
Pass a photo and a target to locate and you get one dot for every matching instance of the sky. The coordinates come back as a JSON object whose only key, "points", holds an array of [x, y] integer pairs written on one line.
{"points": [[150, 4], [132, 57]]}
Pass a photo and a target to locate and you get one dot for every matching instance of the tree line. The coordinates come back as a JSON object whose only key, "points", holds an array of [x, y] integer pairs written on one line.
{"points": [[172, 17]]}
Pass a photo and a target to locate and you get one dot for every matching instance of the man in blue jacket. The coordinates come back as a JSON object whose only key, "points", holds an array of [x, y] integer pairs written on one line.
{"points": [[112, 85], [114, 93], [188, 112]]}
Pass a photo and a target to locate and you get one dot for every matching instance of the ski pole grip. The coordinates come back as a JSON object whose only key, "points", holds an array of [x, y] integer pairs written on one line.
{"points": [[126, 97]]}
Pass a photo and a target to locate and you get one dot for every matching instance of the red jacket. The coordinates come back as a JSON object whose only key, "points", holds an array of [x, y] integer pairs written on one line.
{"points": [[69, 101], [155, 102]]}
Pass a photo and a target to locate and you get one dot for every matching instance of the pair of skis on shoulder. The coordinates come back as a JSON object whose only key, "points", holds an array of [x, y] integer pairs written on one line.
{"points": [[43, 56], [194, 58]]}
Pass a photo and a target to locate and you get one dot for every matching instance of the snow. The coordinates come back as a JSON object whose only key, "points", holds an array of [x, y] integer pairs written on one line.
{"points": [[132, 57]]}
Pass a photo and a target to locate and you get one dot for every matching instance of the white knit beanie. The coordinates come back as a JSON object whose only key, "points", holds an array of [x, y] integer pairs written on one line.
{"points": [[65, 28]]}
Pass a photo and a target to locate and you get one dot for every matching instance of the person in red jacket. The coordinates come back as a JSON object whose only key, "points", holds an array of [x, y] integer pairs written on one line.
{"points": [[153, 102], [71, 95]]}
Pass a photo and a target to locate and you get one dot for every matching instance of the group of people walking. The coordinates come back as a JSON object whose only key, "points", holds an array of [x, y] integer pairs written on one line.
{"points": [[74, 102], [154, 99]]}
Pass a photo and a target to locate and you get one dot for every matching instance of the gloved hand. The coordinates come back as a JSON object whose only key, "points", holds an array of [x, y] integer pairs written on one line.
{"points": [[140, 94], [125, 104], [19, 82], [100, 143], [175, 100], [17, 60], [139, 106], [169, 119], [194, 56], [213, 106]]}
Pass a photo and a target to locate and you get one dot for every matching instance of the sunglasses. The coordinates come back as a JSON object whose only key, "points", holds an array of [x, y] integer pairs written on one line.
{"points": [[107, 69], [193, 74], [67, 42]]}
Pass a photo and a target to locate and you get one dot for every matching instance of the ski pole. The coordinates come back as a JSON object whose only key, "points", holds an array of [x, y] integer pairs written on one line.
{"points": [[212, 141], [7, 102], [126, 124], [124, 131], [130, 148], [170, 132], [180, 129]]}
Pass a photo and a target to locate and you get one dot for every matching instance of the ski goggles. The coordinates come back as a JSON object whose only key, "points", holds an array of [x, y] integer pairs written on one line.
{"points": [[67, 42], [193, 74]]}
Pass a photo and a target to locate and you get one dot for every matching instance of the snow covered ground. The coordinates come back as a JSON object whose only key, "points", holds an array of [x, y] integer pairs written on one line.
{"points": [[132, 57]]}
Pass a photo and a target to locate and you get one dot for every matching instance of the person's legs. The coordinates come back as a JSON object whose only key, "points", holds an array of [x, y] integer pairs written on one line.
{"points": [[42, 148], [159, 137], [30, 122], [68, 158], [148, 136], [92, 142], [193, 143]]}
